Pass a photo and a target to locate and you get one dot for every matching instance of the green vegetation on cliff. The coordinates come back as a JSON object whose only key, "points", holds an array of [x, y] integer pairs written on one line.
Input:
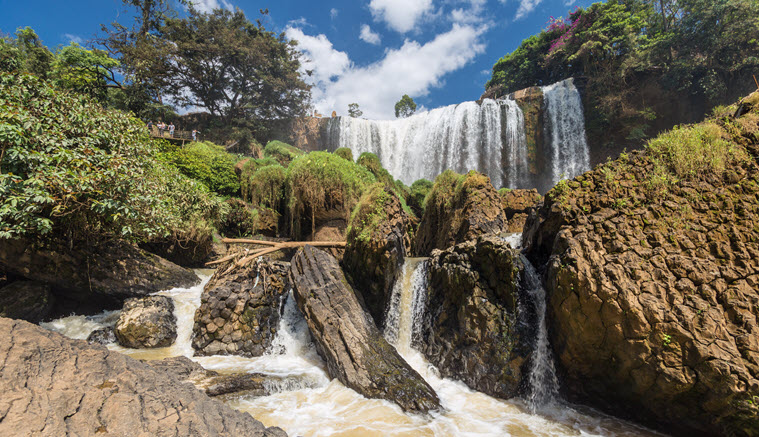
{"points": [[282, 152], [205, 162], [69, 168], [643, 63], [345, 152], [368, 213], [266, 187]]}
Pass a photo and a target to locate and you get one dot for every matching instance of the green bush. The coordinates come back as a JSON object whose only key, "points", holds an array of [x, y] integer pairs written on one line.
{"points": [[207, 163], [417, 195], [368, 214], [249, 168], [322, 180], [345, 153], [240, 220], [266, 187], [372, 163], [282, 152]]}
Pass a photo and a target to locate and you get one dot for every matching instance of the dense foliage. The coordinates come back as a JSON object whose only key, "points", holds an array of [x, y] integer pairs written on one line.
{"points": [[345, 153], [282, 152], [205, 162], [405, 107], [688, 47], [71, 169]]}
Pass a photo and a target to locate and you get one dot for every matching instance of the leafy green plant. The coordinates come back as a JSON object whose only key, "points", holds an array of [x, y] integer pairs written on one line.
{"points": [[205, 162]]}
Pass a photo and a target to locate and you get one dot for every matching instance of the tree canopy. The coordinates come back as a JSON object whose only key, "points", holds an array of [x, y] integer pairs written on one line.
{"points": [[354, 111], [405, 107]]}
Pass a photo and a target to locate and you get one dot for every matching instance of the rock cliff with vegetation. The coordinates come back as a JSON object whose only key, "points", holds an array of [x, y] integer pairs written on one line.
{"points": [[459, 208], [651, 271]]}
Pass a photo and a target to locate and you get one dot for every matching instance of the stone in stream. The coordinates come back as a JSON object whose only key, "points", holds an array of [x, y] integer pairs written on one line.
{"points": [[239, 312], [347, 339], [378, 238], [55, 386], [147, 322], [102, 336], [471, 329]]}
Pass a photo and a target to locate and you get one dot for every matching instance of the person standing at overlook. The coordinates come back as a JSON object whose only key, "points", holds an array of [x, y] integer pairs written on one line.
{"points": [[171, 129]]}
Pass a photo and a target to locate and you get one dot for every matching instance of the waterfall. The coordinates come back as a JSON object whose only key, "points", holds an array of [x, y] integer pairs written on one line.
{"points": [[566, 130], [489, 137], [407, 303], [543, 384]]}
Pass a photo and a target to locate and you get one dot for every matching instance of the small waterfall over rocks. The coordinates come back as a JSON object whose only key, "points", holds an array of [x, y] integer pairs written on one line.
{"points": [[490, 137]]}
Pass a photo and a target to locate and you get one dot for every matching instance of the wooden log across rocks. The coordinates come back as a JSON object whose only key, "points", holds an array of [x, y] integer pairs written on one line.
{"points": [[244, 258]]}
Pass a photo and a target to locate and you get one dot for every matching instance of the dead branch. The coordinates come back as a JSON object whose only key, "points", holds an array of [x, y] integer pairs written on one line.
{"points": [[273, 247]]}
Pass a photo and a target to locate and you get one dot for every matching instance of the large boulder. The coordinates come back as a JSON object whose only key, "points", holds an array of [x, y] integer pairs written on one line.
{"points": [[102, 275], [652, 272], [471, 329], [518, 205], [347, 339], [53, 385], [378, 241], [147, 322], [459, 208], [26, 300], [239, 311]]}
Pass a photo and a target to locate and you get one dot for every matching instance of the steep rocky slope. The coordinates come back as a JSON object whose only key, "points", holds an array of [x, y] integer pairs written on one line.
{"points": [[652, 270]]}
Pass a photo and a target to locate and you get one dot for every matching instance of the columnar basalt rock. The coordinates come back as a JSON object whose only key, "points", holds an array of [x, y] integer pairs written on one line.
{"points": [[378, 240], [55, 386], [471, 329], [147, 322], [518, 205], [239, 312], [347, 339], [653, 288]]}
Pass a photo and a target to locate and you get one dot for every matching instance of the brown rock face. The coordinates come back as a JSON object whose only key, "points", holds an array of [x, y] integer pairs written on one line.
{"points": [[470, 330], [459, 208], [518, 204], [239, 312], [654, 293], [27, 300], [56, 386], [111, 273], [377, 243], [347, 339], [147, 322]]}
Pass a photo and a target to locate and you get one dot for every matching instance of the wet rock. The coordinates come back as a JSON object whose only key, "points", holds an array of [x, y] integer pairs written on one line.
{"points": [[459, 208], [53, 385], [26, 300], [518, 204], [147, 322], [183, 249], [102, 336], [347, 339], [100, 277], [239, 312], [654, 290], [377, 242], [471, 330]]}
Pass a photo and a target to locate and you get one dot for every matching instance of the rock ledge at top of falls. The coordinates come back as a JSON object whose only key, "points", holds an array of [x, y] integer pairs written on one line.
{"points": [[239, 312], [471, 329], [347, 339], [378, 240], [108, 273], [653, 294], [459, 208], [56, 386]]}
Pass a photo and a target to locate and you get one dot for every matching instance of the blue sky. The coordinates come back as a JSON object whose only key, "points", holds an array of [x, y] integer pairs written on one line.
{"points": [[370, 52]]}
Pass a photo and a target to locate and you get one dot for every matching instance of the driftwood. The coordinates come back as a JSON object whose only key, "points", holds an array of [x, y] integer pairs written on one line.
{"points": [[273, 246]]}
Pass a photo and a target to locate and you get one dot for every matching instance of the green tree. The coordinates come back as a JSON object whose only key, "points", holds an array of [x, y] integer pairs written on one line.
{"points": [[405, 107], [353, 110], [233, 68], [90, 72]]}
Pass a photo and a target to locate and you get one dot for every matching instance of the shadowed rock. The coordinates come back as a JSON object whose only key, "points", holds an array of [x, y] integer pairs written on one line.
{"points": [[56, 386], [347, 339], [27, 300]]}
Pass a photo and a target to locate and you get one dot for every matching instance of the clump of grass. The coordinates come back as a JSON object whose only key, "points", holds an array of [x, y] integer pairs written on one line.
{"points": [[282, 152], [371, 162], [322, 180], [266, 187], [345, 153], [418, 194], [249, 169], [369, 213], [691, 152]]}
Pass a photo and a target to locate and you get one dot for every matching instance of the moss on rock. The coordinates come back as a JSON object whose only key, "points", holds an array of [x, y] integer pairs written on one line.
{"points": [[345, 153]]}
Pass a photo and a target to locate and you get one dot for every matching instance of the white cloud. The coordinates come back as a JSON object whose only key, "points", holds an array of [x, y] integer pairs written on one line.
{"points": [[474, 14], [525, 7], [74, 38], [302, 22], [412, 69], [400, 15], [333, 13], [369, 36], [210, 5]]}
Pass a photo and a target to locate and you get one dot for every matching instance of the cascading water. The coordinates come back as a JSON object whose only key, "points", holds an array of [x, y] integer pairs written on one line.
{"points": [[304, 401], [489, 137], [543, 384], [566, 130]]}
